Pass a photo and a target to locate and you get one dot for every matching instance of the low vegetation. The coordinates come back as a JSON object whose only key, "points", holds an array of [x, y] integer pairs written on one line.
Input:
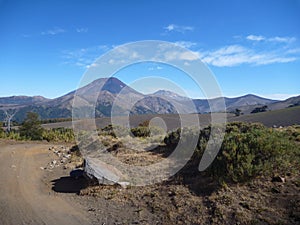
{"points": [[31, 129], [253, 180], [260, 109], [247, 183], [58, 135], [248, 150]]}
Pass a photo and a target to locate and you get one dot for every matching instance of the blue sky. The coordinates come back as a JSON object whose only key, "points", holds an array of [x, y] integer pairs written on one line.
{"points": [[250, 46]]}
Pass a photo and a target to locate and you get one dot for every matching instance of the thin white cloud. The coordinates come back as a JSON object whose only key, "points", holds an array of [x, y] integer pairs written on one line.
{"points": [[155, 68], [54, 31], [235, 55], [255, 38], [277, 39], [185, 44], [178, 28], [259, 54], [264, 53], [282, 39], [171, 55], [84, 57], [293, 51], [82, 30]]}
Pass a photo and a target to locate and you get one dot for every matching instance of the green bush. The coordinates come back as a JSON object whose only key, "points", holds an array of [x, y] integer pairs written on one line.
{"points": [[173, 138], [58, 135], [31, 128], [12, 135], [141, 131], [293, 132], [2, 133], [188, 133], [114, 131], [248, 150]]}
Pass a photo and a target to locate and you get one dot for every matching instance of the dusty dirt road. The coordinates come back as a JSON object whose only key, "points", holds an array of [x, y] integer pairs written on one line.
{"points": [[24, 199]]}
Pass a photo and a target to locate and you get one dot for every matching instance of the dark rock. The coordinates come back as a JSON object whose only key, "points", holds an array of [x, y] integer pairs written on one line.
{"points": [[278, 179]]}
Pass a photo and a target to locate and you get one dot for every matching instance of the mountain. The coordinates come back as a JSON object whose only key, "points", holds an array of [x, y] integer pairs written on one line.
{"points": [[246, 103], [169, 94], [111, 92], [106, 88], [22, 100], [290, 102]]}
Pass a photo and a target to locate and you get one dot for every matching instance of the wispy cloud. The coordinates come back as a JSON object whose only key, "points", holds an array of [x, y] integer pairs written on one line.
{"points": [[177, 54], [271, 39], [82, 30], [155, 68], [83, 57], [178, 28], [255, 38], [185, 44], [235, 55], [266, 50], [282, 39], [54, 31]]}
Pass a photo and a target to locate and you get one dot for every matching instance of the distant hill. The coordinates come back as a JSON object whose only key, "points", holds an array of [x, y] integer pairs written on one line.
{"points": [[290, 102], [22, 100], [169, 94], [105, 90], [247, 103], [280, 117]]}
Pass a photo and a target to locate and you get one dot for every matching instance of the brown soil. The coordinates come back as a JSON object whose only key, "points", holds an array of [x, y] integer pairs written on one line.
{"points": [[34, 192], [24, 198]]}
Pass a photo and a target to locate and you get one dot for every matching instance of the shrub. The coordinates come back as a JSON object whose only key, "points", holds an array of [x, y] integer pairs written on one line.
{"points": [[59, 134], [248, 150], [31, 127], [141, 131], [144, 123], [260, 109], [173, 138], [114, 131], [2, 133], [293, 132]]}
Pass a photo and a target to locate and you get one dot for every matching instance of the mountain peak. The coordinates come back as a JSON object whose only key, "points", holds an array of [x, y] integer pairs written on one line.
{"points": [[253, 96], [113, 85], [169, 94], [22, 99]]}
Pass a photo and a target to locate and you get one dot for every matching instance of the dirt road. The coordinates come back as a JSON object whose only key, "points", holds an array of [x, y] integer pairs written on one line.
{"points": [[24, 199]]}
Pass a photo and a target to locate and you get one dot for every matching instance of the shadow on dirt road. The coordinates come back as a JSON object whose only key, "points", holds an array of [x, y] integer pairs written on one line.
{"points": [[69, 184]]}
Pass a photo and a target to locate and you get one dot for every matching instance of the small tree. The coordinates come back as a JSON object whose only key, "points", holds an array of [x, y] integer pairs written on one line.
{"points": [[31, 127], [260, 109], [1, 130], [238, 112]]}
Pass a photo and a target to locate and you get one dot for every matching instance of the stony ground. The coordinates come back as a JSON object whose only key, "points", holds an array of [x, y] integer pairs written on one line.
{"points": [[24, 198], [37, 189]]}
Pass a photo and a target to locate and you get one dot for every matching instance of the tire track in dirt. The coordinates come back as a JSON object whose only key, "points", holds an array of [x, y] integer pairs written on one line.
{"points": [[24, 199]]}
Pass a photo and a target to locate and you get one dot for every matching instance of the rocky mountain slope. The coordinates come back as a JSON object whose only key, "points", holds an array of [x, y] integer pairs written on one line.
{"points": [[111, 92]]}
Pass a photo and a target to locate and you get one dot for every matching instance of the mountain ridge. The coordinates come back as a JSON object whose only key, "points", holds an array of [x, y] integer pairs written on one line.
{"points": [[104, 91]]}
